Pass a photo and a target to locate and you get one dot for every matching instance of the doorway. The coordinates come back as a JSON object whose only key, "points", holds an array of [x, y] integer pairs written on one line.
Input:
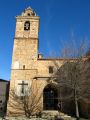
{"points": [[50, 98]]}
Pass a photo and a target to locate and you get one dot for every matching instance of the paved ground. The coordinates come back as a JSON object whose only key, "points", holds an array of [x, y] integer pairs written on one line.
{"points": [[43, 118], [24, 118], [31, 119]]}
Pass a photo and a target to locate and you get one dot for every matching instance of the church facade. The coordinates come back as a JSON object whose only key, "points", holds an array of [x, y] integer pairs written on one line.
{"points": [[30, 68], [33, 78]]}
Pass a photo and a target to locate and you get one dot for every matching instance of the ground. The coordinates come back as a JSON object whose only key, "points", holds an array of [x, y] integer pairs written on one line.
{"points": [[49, 118]]}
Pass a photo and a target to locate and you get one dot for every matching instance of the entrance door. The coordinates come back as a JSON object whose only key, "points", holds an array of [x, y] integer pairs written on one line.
{"points": [[50, 98]]}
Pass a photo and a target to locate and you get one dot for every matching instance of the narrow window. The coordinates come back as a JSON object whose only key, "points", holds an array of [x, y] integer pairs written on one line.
{"points": [[27, 25], [23, 67], [1, 108], [0, 101], [50, 69]]}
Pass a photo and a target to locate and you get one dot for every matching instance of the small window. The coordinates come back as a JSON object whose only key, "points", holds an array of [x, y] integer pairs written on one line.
{"points": [[28, 14], [1, 108], [50, 69], [23, 67], [27, 25], [0, 101]]}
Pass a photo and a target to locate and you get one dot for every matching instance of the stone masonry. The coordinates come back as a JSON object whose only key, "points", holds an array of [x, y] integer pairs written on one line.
{"points": [[27, 65]]}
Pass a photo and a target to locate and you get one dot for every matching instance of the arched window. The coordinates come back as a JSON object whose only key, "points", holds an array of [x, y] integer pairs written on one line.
{"points": [[27, 25]]}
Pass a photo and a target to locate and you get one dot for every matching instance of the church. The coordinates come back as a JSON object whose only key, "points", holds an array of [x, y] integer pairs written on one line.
{"points": [[32, 76]]}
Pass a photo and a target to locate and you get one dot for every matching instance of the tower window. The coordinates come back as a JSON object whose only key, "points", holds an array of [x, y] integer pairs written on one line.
{"points": [[27, 25], [23, 67], [1, 108], [0, 101], [50, 69], [28, 14]]}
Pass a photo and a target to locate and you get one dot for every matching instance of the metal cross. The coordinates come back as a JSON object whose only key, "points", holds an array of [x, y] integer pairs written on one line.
{"points": [[23, 84]]}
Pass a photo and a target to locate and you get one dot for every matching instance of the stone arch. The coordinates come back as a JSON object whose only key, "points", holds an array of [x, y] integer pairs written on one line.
{"points": [[50, 97]]}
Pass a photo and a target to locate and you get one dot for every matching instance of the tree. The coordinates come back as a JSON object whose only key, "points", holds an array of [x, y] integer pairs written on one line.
{"points": [[32, 100], [28, 103], [74, 74]]}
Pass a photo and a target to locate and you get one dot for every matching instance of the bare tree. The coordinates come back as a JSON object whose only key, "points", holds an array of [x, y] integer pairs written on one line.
{"points": [[74, 74], [32, 100], [28, 103]]}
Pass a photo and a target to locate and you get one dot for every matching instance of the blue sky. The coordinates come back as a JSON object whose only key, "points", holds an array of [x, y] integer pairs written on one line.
{"points": [[58, 19]]}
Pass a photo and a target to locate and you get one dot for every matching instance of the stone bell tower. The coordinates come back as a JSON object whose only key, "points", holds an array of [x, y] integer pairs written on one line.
{"points": [[26, 40], [25, 53]]}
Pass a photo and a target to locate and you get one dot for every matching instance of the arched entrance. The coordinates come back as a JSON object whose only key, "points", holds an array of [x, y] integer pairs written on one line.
{"points": [[50, 98]]}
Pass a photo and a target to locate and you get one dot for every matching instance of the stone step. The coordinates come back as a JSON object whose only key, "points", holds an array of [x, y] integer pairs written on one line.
{"points": [[53, 113]]}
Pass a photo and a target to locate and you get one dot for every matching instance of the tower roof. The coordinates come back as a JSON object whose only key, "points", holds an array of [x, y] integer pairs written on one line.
{"points": [[28, 12]]}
